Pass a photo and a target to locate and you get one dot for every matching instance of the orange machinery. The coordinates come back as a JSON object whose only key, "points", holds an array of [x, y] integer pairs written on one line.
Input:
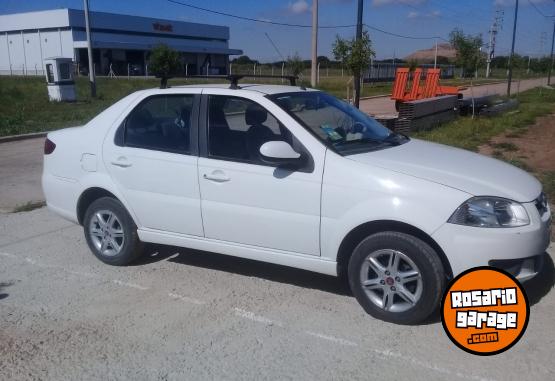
{"points": [[430, 89]]}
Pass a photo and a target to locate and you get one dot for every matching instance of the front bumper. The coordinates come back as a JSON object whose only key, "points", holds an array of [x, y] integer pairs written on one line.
{"points": [[522, 268], [517, 250]]}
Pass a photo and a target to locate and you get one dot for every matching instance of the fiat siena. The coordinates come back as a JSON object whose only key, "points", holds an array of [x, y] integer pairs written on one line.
{"points": [[296, 177]]}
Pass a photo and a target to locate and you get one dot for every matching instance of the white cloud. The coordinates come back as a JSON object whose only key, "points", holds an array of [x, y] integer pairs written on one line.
{"points": [[414, 14], [377, 3], [298, 7]]}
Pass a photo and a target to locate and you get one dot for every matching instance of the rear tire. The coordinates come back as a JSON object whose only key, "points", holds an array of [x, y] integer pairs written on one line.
{"points": [[111, 233], [396, 277]]}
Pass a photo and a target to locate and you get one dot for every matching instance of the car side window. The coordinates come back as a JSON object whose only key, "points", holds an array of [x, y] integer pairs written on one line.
{"points": [[237, 127], [162, 123]]}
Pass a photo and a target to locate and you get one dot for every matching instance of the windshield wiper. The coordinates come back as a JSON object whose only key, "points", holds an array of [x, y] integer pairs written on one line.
{"points": [[396, 139]]}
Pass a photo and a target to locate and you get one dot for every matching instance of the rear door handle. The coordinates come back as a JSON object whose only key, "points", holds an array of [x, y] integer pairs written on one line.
{"points": [[217, 176], [121, 162]]}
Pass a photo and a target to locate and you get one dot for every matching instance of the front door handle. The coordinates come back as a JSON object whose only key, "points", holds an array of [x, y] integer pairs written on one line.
{"points": [[217, 176]]}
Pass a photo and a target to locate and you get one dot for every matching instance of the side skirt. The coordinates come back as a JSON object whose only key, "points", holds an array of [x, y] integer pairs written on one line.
{"points": [[278, 257]]}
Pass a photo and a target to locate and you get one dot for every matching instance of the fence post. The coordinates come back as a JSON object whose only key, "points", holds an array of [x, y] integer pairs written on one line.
{"points": [[229, 68], [128, 71], [146, 70], [282, 70]]}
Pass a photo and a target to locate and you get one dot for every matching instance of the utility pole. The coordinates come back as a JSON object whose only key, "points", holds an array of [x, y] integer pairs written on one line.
{"points": [[498, 19], [551, 65], [313, 67], [358, 38], [510, 76], [435, 56], [92, 80], [543, 39]]}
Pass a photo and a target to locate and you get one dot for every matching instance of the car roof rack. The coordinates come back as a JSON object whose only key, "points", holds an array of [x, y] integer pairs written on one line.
{"points": [[234, 78]]}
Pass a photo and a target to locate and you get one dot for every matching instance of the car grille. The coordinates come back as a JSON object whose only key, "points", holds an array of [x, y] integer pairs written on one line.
{"points": [[541, 203]]}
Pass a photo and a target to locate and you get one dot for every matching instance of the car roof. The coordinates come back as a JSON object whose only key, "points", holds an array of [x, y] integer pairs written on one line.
{"points": [[261, 88]]}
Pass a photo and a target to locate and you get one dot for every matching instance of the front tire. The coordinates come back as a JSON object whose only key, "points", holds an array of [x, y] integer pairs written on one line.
{"points": [[396, 277], [111, 233]]}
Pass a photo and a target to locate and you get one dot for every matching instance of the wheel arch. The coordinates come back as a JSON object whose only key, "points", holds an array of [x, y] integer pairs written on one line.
{"points": [[87, 197], [356, 235]]}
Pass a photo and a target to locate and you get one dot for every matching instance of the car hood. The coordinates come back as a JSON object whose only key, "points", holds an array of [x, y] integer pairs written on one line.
{"points": [[457, 168]]}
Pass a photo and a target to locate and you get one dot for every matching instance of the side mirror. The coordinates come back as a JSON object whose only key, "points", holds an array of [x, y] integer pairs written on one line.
{"points": [[280, 153]]}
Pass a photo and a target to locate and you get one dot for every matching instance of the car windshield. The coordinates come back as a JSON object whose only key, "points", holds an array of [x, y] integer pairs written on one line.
{"points": [[341, 126]]}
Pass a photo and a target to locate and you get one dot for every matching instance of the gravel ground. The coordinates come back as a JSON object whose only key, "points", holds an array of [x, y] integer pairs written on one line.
{"points": [[182, 314]]}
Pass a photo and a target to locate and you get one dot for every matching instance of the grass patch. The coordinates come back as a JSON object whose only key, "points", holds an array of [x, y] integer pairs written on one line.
{"points": [[27, 207], [548, 181], [24, 105], [470, 133], [505, 146]]}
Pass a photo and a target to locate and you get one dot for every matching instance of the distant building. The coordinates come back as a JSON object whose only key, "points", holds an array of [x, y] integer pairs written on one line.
{"points": [[428, 55], [121, 41]]}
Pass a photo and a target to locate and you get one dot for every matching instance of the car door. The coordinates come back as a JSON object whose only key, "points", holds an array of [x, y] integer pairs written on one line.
{"points": [[245, 200], [153, 161]]}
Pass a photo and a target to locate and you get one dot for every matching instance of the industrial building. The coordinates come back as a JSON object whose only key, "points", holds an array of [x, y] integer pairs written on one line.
{"points": [[120, 42]]}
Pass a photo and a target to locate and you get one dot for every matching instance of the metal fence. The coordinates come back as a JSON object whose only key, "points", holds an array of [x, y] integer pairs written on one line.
{"points": [[385, 72], [23, 70]]}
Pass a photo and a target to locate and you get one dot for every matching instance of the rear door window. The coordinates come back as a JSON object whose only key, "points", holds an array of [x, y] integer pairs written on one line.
{"points": [[161, 122]]}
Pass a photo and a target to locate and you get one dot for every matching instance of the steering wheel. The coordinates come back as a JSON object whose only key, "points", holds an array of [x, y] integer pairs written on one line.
{"points": [[358, 127]]}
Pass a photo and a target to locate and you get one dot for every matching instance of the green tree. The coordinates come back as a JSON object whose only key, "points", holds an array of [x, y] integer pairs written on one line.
{"points": [[467, 46], [355, 55], [295, 64], [413, 64], [165, 63], [244, 60]]}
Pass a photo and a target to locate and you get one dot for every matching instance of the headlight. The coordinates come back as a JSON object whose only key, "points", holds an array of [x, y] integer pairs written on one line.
{"points": [[490, 212]]}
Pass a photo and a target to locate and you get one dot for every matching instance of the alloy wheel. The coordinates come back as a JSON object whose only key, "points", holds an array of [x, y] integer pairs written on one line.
{"points": [[391, 280], [106, 233]]}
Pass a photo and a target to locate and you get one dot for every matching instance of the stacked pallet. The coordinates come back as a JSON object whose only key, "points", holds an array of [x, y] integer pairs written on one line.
{"points": [[425, 114]]}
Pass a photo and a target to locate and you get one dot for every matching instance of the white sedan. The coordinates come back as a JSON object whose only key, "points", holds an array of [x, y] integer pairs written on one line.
{"points": [[296, 177]]}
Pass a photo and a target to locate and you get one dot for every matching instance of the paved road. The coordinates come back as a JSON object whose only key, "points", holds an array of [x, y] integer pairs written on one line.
{"points": [[183, 314], [21, 162], [385, 106], [20, 170]]}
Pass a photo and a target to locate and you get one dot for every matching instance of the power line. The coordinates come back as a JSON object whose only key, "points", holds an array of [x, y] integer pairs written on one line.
{"points": [[403, 36], [300, 25], [274, 45], [539, 10], [263, 21]]}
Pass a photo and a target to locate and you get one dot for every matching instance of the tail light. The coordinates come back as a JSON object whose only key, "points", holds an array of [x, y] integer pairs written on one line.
{"points": [[49, 146]]}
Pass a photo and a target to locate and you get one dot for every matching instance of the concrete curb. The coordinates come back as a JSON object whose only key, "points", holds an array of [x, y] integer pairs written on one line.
{"points": [[13, 138]]}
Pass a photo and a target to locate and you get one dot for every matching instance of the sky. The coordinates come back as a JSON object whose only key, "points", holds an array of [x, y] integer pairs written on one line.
{"points": [[416, 18]]}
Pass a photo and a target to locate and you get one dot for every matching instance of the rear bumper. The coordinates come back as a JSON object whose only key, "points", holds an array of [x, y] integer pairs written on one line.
{"points": [[61, 195], [517, 250]]}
